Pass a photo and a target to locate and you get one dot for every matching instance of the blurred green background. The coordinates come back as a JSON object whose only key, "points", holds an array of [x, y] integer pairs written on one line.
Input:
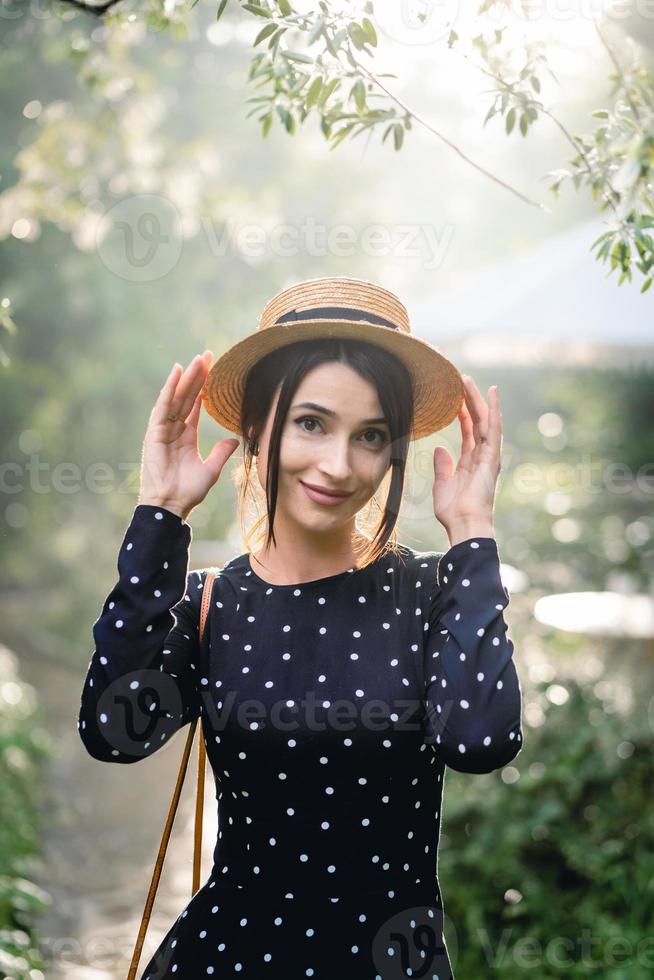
{"points": [[144, 219]]}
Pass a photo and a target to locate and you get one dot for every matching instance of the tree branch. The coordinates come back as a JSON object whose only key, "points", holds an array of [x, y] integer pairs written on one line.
{"points": [[373, 78], [541, 108], [609, 51]]}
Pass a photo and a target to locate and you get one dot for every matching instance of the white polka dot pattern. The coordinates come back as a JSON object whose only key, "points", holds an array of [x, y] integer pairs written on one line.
{"points": [[473, 694], [142, 684], [329, 711]]}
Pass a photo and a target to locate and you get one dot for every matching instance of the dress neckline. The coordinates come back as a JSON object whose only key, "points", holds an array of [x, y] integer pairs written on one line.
{"points": [[325, 580]]}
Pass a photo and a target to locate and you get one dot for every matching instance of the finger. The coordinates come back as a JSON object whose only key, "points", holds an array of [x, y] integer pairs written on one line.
{"points": [[161, 406], [494, 419], [443, 463], [475, 401], [220, 454], [188, 388], [194, 414], [478, 409], [467, 434]]}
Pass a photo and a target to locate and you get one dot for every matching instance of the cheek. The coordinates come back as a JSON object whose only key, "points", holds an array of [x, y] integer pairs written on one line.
{"points": [[374, 466], [293, 455], [296, 449]]}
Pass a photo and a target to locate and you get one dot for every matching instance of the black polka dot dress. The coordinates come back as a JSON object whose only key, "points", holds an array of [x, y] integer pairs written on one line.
{"points": [[329, 712]]}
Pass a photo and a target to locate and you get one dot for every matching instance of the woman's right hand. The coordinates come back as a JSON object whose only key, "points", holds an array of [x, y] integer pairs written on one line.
{"points": [[173, 474]]}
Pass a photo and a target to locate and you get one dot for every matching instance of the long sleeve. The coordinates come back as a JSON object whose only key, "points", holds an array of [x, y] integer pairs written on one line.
{"points": [[472, 690], [141, 684]]}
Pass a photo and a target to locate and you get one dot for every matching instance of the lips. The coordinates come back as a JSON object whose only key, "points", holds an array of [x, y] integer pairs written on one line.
{"points": [[326, 491], [324, 499]]}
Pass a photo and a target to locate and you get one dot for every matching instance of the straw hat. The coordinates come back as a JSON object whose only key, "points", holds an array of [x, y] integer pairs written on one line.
{"points": [[338, 307]]}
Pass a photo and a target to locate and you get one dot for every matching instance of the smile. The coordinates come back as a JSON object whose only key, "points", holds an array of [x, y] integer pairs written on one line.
{"points": [[323, 498]]}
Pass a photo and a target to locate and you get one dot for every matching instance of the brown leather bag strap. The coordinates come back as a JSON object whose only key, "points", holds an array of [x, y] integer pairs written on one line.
{"points": [[199, 802]]}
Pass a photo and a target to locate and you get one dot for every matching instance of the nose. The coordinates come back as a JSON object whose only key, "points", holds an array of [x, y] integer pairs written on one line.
{"points": [[336, 464]]}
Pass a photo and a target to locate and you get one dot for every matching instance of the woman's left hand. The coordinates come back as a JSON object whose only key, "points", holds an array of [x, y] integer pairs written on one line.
{"points": [[464, 497]]}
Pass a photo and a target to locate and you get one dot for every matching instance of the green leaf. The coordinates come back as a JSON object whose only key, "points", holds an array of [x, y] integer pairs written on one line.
{"points": [[296, 56], [600, 114], [646, 285], [254, 9], [342, 133], [359, 93], [330, 45], [275, 39], [221, 7], [602, 237], [327, 91], [285, 8], [315, 31], [398, 135], [510, 120], [314, 92], [604, 250], [264, 33], [295, 89], [256, 61], [357, 35], [524, 124], [287, 118], [489, 115], [535, 81], [370, 31], [452, 37], [267, 123]]}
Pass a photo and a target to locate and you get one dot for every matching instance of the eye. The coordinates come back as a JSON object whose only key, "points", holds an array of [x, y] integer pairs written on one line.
{"points": [[382, 437], [306, 418], [380, 433]]}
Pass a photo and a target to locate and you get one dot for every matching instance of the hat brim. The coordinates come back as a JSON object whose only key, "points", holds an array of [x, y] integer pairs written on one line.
{"points": [[438, 386]]}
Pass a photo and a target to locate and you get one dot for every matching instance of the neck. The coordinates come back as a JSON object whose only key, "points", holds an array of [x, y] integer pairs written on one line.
{"points": [[300, 556]]}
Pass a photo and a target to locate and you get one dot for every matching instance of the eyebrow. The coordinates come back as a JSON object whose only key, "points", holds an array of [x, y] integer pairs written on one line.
{"points": [[334, 415]]}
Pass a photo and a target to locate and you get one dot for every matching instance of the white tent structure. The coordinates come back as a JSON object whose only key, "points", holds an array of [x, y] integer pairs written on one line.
{"points": [[554, 302]]}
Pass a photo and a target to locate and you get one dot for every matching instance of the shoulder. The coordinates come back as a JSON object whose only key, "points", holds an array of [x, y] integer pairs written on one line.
{"points": [[197, 578], [416, 566], [193, 591]]}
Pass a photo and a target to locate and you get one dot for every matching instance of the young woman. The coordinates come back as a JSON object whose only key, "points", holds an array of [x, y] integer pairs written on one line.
{"points": [[340, 671]]}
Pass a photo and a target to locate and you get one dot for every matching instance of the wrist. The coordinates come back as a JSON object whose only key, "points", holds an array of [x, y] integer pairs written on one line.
{"points": [[170, 505], [466, 528]]}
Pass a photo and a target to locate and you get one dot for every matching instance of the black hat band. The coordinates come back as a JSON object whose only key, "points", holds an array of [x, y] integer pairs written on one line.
{"points": [[335, 313]]}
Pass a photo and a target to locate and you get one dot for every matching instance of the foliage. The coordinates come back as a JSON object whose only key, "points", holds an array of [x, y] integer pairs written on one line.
{"points": [[319, 63], [575, 498], [549, 871], [24, 747]]}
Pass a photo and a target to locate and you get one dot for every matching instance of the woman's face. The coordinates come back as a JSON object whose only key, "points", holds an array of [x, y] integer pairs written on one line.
{"points": [[340, 442]]}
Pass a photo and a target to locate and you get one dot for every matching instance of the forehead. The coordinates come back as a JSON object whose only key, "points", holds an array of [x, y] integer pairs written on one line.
{"points": [[332, 382]]}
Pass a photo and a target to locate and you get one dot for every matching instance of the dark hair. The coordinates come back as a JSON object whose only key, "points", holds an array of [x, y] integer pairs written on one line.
{"points": [[287, 366]]}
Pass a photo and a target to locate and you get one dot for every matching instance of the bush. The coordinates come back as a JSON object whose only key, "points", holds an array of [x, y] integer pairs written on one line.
{"points": [[547, 866], [24, 745]]}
